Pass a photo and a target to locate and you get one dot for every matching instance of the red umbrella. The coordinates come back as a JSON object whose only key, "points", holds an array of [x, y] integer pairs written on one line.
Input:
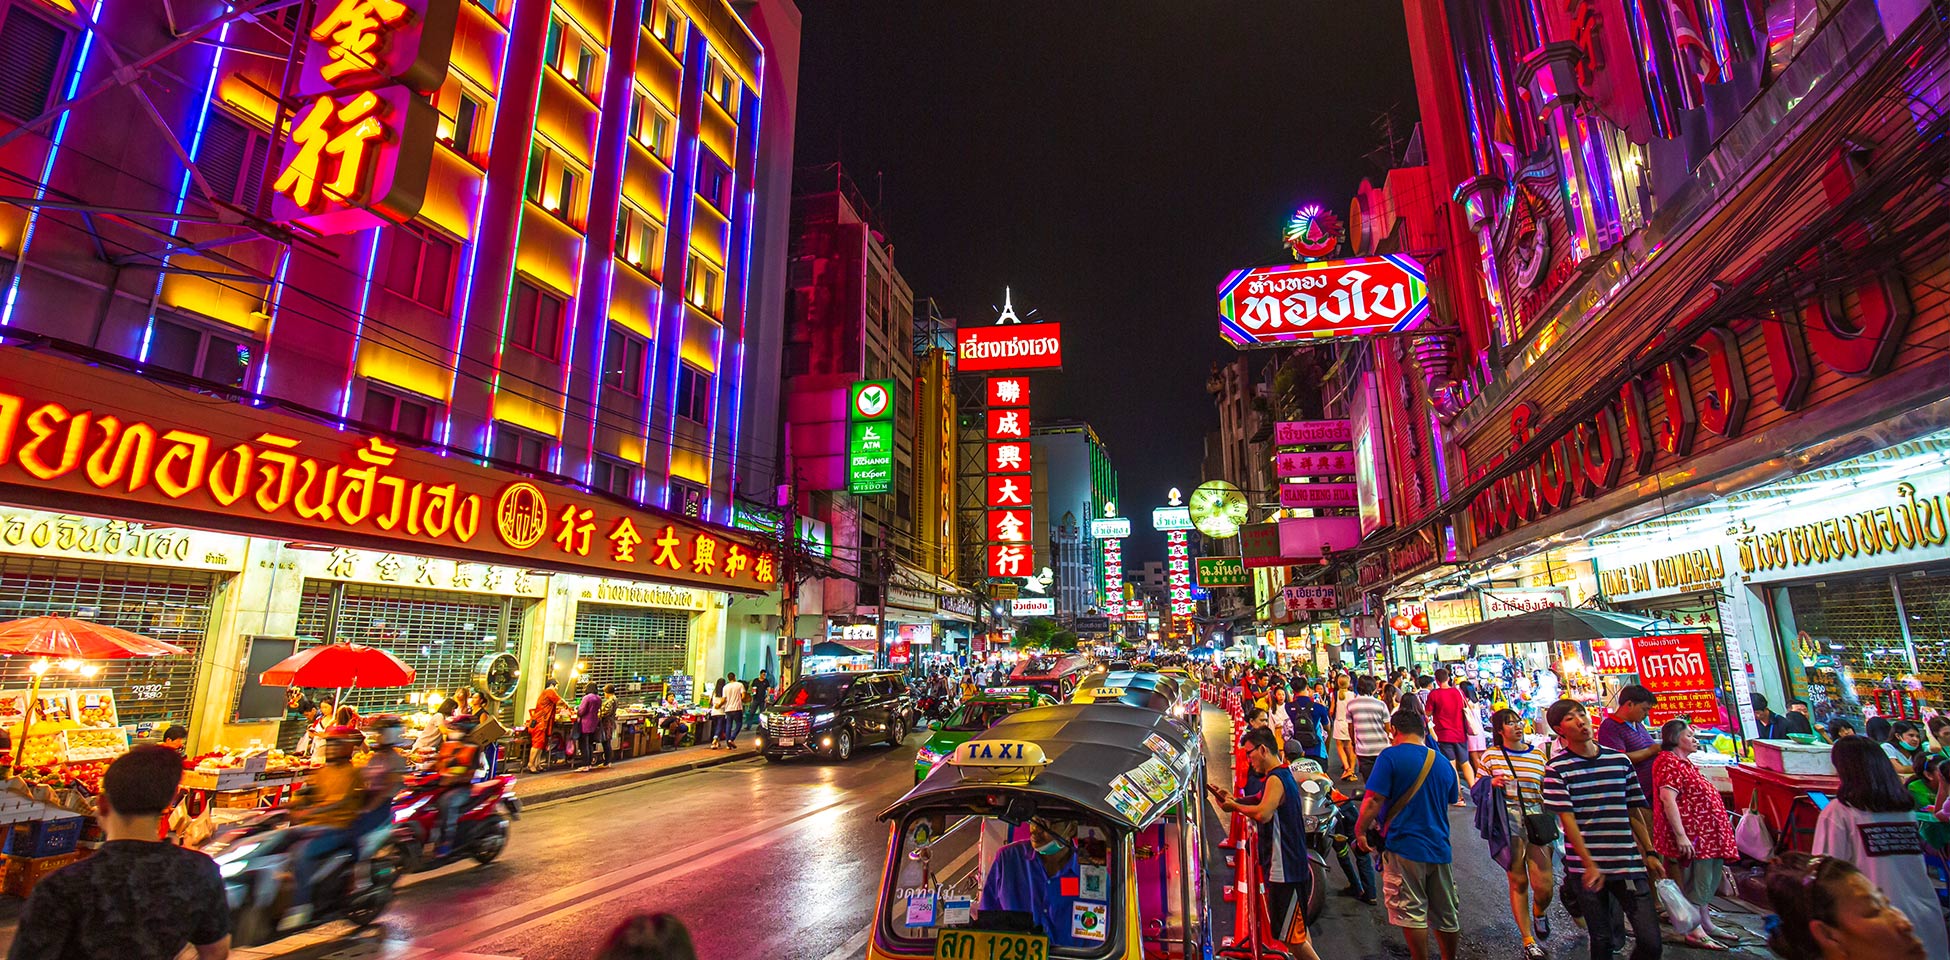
{"points": [[339, 665], [65, 638]]}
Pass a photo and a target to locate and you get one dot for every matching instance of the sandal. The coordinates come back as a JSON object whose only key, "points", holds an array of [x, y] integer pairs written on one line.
{"points": [[1700, 941]]}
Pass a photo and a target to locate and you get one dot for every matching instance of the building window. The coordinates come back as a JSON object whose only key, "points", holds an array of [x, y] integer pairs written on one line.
{"points": [[721, 85], [623, 355], [222, 357], [554, 183], [714, 182], [397, 413], [518, 446], [693, 394], [535, 320], [701, 283], [30, 60], [232, 159], [686, 498], [663, 23], [614, 477], [639, 241], [652, 125], [554, 42], [572, 55], [418, 266], [463, 119]]}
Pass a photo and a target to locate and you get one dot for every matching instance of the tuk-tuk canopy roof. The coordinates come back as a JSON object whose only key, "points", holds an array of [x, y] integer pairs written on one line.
{"points": [[1093, 754], [1141, 688]]}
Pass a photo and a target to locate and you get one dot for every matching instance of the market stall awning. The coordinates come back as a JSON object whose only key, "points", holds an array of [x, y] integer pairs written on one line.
{"points": [[833, 648], [339, 665], [65, 638]]}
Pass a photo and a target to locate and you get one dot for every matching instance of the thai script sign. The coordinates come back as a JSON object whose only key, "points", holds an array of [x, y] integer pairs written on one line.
{"points": [[1672, 663], [1032, 607], [1293, 433], [1306, 496], [1904, 523], [1509, 603], [1299, 597], [644, 595], [1110, 528], [1613, 656], [1268, 306], [1012, 346], [870, 437], [1171, 518], [1222, 572], [161, 454], [361, 144], [94, 538]]}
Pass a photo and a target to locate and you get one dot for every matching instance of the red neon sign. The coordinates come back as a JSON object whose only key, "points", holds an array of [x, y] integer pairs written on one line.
{"points": [[1012, 346]]}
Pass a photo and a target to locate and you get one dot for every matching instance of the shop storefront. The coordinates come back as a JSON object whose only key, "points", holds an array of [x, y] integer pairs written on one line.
{"points": [[640, 637]]}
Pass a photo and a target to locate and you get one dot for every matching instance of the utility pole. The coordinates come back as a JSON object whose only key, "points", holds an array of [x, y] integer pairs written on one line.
{"points": [[881, 563], [789, 579]]}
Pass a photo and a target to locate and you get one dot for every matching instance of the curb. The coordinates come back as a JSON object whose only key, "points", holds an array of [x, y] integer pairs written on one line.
{"points": [[577, 789]]}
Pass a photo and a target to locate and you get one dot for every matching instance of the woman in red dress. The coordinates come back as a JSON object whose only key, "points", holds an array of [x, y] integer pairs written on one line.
{"points": [[541, 721], [1691, 827]]}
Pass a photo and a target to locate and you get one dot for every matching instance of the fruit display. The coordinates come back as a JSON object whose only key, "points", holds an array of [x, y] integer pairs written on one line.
{"points": [[95, 708], [85, 745]]}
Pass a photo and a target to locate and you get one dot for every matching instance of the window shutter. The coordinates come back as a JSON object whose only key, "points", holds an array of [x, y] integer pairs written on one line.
{"points": [[223, 154], [30, 54]]}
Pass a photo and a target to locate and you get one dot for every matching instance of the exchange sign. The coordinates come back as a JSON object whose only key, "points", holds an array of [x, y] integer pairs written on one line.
{"points": [[1365, 296], [870, 438], [1009, 346]]}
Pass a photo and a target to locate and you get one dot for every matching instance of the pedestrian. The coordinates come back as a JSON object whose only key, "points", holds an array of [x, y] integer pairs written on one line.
{"points": [[1414, 787], [1367, 720], [1477, 739], [1768, 725], [321, 721], [1692, 829], [1310, 721], [1343, 744], [176, 737], [716, 712], [606, 723], [762, 690], [1827, 909], [1517, 769], [1797, 717], [1602, 811], [1445, 707], [588, 723], [734, 710], [1390, 698], [648, 936], [541, 723], [1871, 822], [1425, 685], [137, 897], [1283, 861], [1905, 746], [1624, 731], [1939, 727], [1838, 728]]}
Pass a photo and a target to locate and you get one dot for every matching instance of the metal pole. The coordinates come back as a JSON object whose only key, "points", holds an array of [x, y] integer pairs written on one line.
{"points": [[882, 561]]}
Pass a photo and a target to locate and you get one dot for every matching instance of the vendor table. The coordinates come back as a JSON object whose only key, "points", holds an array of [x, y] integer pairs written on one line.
{"points": [[1782, 799]]}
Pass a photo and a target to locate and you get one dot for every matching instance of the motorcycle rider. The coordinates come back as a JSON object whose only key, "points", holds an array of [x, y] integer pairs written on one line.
{"points": [[456, 769], [384, 771], [326, 807]]}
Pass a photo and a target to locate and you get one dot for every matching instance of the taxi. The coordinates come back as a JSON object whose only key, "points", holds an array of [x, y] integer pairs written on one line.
{"points": [[1165, 693], [976, 714]]}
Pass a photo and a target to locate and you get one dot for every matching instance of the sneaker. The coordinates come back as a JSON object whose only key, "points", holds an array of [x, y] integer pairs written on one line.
{"points": [[1541, 926], [1535, 951]]}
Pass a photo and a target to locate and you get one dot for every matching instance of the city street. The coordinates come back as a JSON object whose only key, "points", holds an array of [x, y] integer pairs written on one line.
{"points": [[769, 861]]}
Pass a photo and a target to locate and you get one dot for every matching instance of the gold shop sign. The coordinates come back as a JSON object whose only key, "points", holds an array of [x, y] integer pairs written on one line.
{"points": [[74, 537], [1689, 572], [643, 595], [94, 440], [430, 573], [1909, 523]]}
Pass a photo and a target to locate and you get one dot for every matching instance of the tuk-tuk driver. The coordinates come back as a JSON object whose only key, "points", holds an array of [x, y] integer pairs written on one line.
{"points": [[1039, 877]]}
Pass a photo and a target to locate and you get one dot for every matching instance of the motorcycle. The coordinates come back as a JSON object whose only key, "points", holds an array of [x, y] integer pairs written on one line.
{"points": [[1319, 807], [255, 858], [481, 829], [933, 708]]}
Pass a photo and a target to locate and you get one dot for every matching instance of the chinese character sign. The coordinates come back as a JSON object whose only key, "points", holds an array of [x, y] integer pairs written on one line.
{"points": [[1178, 572], [1008, 391], [1009, 425], [1006, 490], [1008, 458]]}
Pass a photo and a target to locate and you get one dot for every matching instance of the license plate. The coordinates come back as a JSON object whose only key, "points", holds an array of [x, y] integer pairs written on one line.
{"points": [[983, 945], [788, 741]]}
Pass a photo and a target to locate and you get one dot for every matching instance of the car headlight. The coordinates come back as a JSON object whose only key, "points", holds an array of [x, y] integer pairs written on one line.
{"points": [[1310, 786], [822, 718]]}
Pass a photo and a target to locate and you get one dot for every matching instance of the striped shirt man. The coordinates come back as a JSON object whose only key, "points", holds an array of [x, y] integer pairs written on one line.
{"points": [[1600, 792], [1367, 721]]}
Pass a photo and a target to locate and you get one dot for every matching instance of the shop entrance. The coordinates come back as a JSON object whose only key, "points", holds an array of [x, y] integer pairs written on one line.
{"points": [[440, 634], [1878, 640], [168, 605], [635, 648]]}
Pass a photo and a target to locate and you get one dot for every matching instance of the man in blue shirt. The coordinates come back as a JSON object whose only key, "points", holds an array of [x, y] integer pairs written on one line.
{"points": [[1415, 787], [1039, 877]]}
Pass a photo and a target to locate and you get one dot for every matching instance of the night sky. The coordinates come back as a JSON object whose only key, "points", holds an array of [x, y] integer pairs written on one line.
{"points": [[1110, 161]]}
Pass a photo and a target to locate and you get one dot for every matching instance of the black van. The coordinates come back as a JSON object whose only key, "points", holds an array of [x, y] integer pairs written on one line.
{"points": [[831, 713]]}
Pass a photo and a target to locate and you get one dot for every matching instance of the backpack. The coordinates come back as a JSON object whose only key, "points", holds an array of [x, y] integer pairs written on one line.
{"points": [[1306, 728]]}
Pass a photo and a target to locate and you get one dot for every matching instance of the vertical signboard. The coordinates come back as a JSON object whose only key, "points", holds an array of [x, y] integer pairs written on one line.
{"points": [[1178, 572], [870, 438]]}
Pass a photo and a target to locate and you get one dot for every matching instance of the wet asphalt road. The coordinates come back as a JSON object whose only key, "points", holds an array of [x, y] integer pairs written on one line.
{"points": [[776, 862]]}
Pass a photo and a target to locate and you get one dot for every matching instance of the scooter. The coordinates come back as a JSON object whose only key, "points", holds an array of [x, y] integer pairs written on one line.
{"points": [[255, 857], [1319, 803], [482, 828]]}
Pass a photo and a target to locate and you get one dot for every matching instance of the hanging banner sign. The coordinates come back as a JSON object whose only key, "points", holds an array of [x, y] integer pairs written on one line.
{"points": [[1007, 490], [1311, 496], [1613, 656], [1008, 425], [1294, 433], [1032, 607], [1325, 463], [1013, 346], [1008, 457], [92, 439], [1299, 597], [1314, 537], [1222, 572], [1673, 663], [1009, 526], [1008, 560], [1365, 296], [1259, 545]]}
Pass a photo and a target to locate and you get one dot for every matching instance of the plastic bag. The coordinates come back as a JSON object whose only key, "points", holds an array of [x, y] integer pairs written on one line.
{"points": [[1752, 836], [1679, 910]]}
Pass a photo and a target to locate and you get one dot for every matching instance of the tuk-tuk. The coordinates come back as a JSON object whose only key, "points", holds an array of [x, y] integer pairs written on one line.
{"points": [[1104, 799], [1164, 693], [1051, 674]]}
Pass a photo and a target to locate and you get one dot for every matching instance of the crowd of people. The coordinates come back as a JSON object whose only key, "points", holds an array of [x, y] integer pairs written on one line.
{"points": [[1642, 838]]}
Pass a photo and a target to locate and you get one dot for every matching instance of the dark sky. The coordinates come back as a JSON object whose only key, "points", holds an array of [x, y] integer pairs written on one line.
{"points": [[1110, 161]]}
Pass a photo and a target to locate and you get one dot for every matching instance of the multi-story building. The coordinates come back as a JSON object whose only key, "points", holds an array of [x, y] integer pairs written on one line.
{"points": [[512, 248], [1072, 477]]}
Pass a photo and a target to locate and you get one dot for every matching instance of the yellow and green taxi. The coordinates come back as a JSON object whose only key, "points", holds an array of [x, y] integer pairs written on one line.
{"points": [[976, 714]]}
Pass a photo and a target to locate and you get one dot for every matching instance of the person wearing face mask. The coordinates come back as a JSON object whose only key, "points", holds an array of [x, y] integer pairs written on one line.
{"points": [[1826, 909], [1040, 877]]}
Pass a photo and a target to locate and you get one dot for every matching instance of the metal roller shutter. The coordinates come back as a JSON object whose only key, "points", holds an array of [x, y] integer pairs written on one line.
{"points": [[439, 634], [168, 605], [1854, 621], [634, 648]]}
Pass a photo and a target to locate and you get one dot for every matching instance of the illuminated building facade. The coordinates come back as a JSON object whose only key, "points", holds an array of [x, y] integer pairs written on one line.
{"points": [[517, 234]]}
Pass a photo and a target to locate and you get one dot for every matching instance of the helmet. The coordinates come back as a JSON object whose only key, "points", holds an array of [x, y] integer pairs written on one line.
{"points": [[386, 730]]}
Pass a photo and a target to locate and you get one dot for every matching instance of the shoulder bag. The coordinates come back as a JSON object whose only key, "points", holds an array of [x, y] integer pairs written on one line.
{"points": [[1539, 828], [1378, 832]]}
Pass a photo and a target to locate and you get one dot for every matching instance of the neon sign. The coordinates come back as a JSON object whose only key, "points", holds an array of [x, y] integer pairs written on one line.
{"points": [[1365, 296], [167, 456], [1013, 346]]}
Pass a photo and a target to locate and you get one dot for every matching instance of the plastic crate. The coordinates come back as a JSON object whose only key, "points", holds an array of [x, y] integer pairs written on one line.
{"points": [[24, 872], [44, 838]]}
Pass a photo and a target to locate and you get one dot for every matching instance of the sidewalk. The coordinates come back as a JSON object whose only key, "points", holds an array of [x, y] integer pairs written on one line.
{"points": [[561, 783]]}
